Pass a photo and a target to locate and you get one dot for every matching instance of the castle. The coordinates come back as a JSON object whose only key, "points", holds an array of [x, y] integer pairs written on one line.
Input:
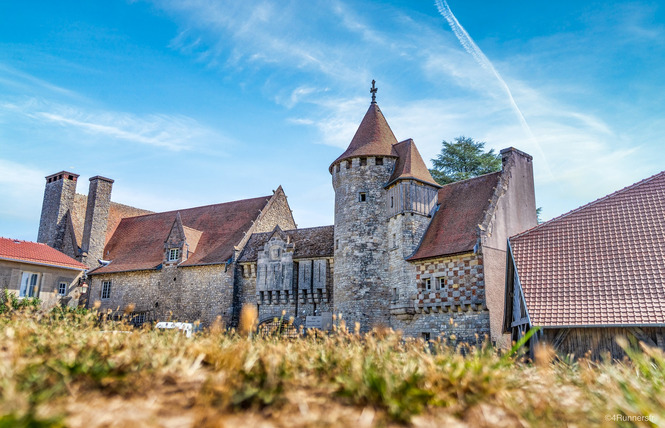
{"points": [[404, 252]]}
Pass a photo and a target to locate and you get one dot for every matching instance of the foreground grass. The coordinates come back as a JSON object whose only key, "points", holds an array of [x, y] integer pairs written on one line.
{"points": [[66, 370]]}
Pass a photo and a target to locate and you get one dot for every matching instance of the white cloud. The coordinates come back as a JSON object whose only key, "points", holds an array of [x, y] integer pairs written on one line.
{"points": [[172, 132]]}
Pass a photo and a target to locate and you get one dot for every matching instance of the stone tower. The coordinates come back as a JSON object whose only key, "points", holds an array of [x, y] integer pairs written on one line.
{"points": [[56, 216], [359, 175], [96, 219], [411, 202]]}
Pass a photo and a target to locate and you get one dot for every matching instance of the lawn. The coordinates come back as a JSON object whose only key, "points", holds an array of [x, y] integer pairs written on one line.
{"points": [[68, 369]]}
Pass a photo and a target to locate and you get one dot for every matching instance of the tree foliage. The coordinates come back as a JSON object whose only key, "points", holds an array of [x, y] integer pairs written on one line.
{"points": [[462, 159]]}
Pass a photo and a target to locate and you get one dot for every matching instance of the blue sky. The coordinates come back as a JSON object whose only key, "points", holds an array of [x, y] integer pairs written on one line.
{"points": [[200, 102]]}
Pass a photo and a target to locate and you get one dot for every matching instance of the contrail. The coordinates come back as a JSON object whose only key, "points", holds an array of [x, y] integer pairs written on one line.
{"points": [[470, 46]]}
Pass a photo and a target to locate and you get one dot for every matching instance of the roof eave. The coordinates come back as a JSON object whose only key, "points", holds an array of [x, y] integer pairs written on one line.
{"points": [[43, 263]]}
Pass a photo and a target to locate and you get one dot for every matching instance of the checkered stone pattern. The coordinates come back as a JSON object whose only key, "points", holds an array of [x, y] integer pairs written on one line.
{"points": [[455, 281]]}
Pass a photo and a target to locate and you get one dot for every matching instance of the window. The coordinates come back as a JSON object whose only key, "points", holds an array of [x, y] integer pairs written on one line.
{"points": [[442, 283], [337, 167], [428, 284], [348, 164], [392, 201], [106, 290], [29, 286], [62, 288], [395, 295], [138, 318], [426, 336], [174, 254], [337, 244], [362, 197], [379, 161], [363, 161]]}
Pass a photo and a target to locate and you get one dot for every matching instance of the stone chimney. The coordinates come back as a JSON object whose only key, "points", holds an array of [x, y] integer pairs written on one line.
{"points": [[58, 201], [96, 220]]}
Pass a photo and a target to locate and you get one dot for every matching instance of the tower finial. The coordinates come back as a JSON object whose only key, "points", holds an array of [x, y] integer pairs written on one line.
{"points": [[373, 90]]}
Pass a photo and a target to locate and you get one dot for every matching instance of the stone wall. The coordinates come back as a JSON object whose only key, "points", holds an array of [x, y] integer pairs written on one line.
{"points": [[456, 290], [472, 326], [405, 232], [181, 293], [361, 283], [297, 306]]}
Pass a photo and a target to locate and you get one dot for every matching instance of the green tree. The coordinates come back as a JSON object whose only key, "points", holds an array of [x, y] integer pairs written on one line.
{"points": [[462, 159]]}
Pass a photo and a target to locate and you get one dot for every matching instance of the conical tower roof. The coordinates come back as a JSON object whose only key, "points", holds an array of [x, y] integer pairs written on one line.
{"points": [[373, 137], [410, 164]]}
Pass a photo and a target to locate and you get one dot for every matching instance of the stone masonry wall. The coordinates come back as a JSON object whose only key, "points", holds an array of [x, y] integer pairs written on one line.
{"points": [[184, 294], [361, 289], [404, 234], [296, 307], [456, 290]]}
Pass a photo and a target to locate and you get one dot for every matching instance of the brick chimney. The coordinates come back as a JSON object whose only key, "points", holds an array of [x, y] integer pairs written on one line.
{"points": [[58, 201], [96, 220]]}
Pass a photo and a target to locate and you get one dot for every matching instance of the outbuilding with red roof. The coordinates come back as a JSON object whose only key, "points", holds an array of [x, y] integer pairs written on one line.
{"points": [[31, 269]]}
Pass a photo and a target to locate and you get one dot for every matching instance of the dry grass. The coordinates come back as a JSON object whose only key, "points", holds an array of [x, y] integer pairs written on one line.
{"points": [[68, 370]]}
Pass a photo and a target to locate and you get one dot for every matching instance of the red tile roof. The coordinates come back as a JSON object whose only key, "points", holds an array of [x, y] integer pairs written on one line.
{"points": [[138, 242], [373, 137], [601, 264], [410, 164], [36, 253], [454, 226]]}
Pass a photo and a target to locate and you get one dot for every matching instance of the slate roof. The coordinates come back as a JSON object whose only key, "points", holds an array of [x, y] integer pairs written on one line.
{"points": [[138, 242], [36, 253], [601, 264], [373, 137], [410, 164], [308, 243], [454, 226]]}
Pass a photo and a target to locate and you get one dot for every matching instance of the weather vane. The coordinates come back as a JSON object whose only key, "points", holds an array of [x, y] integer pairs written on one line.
{"points": [[373, 91]]}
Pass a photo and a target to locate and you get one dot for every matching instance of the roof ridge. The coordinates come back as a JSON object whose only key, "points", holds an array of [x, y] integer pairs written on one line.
{"points": [[587, 205], [469, 179], [200, 206]]}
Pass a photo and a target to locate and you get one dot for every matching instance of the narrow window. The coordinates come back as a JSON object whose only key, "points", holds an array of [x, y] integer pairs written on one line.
{"points": [[442, 283], [174, 254], [395, 295], [426, 336], [348, 164], [379, 161], [428, 284], [106, 290], [392, 201], [363, 161], [394, 240], [337, 167], [261, 297], [337, 244], [62, 288], [362, 197]]}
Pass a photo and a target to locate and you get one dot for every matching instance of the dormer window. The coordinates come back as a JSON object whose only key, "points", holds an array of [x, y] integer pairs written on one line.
{"points": [[174, 254]]}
